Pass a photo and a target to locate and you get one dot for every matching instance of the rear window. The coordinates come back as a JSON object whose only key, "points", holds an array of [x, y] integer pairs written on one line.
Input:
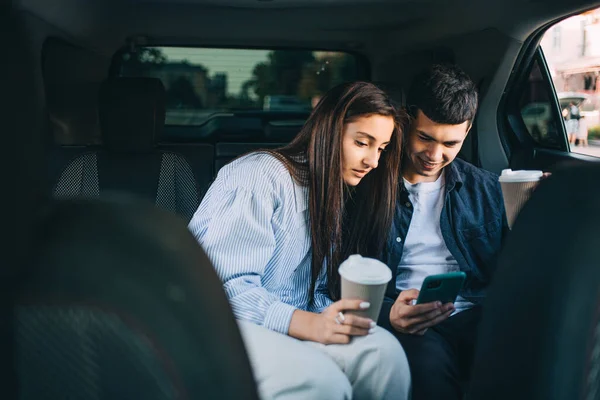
{"points": [[204, 83]]}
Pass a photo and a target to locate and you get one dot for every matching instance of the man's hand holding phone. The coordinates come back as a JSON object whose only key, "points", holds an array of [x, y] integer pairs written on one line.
{"points": [[416, 319]]}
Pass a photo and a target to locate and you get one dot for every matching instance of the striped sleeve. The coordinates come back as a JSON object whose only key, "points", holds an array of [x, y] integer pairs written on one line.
{"points": [[322, 299], [233, 225]]}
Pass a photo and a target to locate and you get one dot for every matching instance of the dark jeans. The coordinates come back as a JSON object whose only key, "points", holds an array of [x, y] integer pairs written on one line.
{"points": [[440, 361]]}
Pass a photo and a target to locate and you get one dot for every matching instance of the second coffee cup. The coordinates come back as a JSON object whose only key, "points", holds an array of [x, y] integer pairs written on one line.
{"points": [[517, 186]]}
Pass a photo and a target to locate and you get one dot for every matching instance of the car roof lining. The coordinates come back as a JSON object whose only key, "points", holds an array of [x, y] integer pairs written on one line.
{"points": [[484, 37], [366, 26]]}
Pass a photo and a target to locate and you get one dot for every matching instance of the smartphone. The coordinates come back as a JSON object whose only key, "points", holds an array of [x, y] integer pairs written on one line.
{"points": [[442, 287]]}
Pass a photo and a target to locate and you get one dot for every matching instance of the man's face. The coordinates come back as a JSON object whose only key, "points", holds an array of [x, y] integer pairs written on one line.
{"points": [[430, 146]]}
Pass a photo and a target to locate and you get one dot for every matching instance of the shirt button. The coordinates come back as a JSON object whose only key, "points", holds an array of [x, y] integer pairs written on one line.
{"points": [[407, 204], [398, 239]]}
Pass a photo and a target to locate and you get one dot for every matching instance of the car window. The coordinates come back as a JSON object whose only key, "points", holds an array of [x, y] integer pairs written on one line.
{"points": [[572, 52], [539, 114], [203, 83]]}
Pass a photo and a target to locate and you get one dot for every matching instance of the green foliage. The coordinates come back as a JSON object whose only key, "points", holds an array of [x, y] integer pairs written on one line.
{"points": [[299, 73], [142, 61], [325, 73], [594, 132], [181, 94], [280, 74]]}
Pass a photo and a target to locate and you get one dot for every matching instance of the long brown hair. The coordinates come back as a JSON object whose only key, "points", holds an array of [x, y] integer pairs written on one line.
{"points": [[344, 220]]}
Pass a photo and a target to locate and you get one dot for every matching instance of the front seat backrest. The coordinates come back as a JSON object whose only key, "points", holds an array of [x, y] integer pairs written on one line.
{"points": [[132, 116], [122, 303], [540, 333]]}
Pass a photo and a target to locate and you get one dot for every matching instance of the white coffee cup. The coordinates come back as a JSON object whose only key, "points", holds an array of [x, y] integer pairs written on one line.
{"points": [[365, 279], [517, 187]]}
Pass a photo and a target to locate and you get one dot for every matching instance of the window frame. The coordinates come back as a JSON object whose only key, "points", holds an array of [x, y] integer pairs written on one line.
{"points": [[509, 112], [508, 122]]}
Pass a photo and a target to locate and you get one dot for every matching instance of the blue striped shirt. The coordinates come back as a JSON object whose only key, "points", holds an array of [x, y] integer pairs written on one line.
{"points": [[253, 224]]}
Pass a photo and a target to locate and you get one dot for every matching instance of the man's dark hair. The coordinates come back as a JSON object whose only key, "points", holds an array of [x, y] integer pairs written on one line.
{"points": [[444, 93]]}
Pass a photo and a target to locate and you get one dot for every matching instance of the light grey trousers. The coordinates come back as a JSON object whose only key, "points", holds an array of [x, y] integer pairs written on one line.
{"points": [[369, 367]]}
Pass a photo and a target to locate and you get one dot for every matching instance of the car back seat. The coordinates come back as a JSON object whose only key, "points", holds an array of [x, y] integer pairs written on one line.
{"points": [[132, 114], [226, 152], [276, 134]]}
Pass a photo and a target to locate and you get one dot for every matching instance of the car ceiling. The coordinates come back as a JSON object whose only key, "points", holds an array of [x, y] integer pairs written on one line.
{"points": [[364, 26]]}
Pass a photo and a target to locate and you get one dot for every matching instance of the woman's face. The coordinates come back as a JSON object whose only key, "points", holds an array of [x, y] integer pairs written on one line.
{"points": [[362, 143]]}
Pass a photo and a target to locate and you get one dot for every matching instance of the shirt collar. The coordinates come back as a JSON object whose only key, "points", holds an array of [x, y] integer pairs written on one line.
{"points": [[454, 177]]}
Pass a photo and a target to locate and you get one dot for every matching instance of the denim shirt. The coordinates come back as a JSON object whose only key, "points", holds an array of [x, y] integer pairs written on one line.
{"points": [[473, 224]]}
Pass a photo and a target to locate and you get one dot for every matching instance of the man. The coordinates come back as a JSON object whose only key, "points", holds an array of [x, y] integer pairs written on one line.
{"points": [[449, 217]]}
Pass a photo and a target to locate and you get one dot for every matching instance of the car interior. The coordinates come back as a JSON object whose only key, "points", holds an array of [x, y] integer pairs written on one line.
{"points": [[109, 297]]}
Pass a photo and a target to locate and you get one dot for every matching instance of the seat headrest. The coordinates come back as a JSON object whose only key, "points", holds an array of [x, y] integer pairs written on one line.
{"points": [[541, 310], [132, 113], [132, 283]]}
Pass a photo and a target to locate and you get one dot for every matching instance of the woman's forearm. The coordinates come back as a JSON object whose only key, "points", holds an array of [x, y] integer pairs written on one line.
{"points": [[302, 325]]}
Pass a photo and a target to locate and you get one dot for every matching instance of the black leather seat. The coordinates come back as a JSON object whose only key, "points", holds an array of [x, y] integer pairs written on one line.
{"points": [[23, 115], [120, 302], [540, 333], [226, 152], [132, 114]]}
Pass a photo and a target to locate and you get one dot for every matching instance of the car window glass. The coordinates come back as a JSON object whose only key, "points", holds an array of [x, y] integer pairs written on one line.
{"points": [[572, 52], [202, 83], [538, 112]]}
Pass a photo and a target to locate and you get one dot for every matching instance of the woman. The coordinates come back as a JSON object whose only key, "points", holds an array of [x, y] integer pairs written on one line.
{"points": [[277, 224]]}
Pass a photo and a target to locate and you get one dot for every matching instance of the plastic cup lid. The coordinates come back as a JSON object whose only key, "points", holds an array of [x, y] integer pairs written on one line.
{"points": [[508, 175], [364, 270]]}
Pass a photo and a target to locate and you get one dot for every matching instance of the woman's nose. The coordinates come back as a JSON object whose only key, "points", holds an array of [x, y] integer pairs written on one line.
{"points": [[372, 159]]}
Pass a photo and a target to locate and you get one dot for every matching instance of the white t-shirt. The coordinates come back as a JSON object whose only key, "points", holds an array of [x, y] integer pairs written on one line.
{"points": [[425, 252]]}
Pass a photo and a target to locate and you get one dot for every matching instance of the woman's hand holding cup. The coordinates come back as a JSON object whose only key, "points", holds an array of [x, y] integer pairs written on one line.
{"points": [[333, 326]]}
